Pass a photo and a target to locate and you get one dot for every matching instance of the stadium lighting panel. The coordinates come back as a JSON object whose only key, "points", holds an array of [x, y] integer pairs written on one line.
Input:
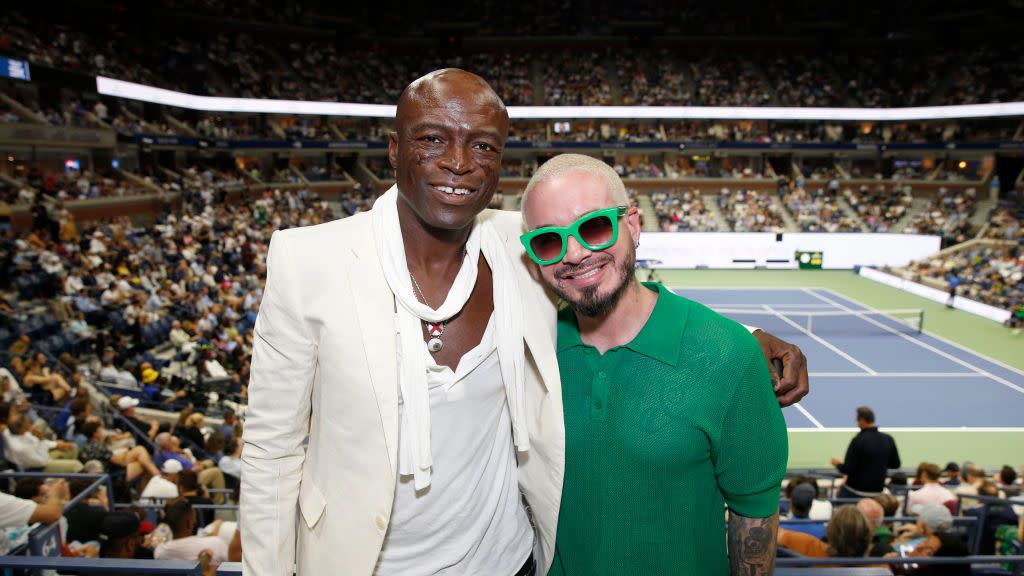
{"points": [[151, 94]]}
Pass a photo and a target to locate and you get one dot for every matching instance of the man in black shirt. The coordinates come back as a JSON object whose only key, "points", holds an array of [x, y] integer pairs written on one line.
{"points": [[869, 457]]}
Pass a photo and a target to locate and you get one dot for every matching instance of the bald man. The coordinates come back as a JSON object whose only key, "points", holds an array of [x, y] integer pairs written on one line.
{"points": [[416, 346]]}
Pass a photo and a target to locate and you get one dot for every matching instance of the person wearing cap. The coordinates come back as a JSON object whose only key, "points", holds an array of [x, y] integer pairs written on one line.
{"points": [[151, 383], [120, 536], [952, 472], [127, 404], [166, 484], [931, 492], [800, 500]]}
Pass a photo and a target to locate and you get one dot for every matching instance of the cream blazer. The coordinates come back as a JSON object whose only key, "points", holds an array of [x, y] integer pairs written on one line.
{"points": [[324, 360]]}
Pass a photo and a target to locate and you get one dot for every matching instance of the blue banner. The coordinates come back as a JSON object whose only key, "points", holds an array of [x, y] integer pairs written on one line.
{"points": [[16, 69]]}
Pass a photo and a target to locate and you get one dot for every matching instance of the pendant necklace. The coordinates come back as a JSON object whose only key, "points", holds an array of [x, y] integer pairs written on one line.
{"points": [[435, 331]]}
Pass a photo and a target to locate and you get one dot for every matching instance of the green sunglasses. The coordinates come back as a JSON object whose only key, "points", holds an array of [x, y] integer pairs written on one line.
{"points": [[594, 231]]}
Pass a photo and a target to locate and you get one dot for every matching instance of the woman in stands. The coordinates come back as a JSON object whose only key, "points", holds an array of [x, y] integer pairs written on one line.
{"points": [[38, 374], [849, 535], [134, 461], [193, 429]]}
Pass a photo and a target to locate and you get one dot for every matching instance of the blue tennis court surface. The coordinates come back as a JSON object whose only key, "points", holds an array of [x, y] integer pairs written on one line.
{"points": [[912, 380]]}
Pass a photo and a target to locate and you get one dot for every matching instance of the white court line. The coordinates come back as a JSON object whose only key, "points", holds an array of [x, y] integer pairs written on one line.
{"points": [[916, 429], [924, 345], [755, 306], [937, 337], [898, 375], [821, 341], [809, 416]]}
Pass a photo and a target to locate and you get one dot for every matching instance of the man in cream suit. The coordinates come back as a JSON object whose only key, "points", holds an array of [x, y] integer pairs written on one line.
{"points": [[415, 348]]}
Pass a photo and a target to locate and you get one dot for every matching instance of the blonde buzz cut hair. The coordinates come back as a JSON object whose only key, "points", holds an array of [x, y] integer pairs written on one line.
{"points": [[568, 163]]}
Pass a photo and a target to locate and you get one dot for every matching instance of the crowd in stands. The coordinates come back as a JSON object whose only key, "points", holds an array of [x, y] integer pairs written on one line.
{"points": [[250, 64], [802, 81], [103, 331], [880, 206], [949, 215], [930, 515], [574, 79], [1004, 223], [992, 274], [818, 210], [683, 211], [750, 211]]}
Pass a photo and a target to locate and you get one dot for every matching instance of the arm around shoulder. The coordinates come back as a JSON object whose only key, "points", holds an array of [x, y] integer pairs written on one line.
{"points": [[280, 386]]}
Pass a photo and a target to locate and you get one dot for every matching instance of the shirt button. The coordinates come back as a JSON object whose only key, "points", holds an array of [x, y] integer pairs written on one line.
{"points": [[598, 404], [382, 522]]}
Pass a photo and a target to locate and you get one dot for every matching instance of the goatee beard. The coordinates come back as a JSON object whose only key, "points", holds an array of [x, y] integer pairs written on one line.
{"points": [[589, 303]]}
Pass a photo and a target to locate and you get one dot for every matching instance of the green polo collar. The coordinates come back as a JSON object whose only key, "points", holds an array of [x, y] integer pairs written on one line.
{"points": [[659, 338]]}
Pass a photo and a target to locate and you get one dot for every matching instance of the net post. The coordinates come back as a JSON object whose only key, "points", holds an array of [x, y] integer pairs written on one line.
{"points": [[920, 321]]}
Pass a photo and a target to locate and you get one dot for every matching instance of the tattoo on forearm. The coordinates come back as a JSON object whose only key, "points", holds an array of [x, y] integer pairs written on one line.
{"points": [[752, 545]]}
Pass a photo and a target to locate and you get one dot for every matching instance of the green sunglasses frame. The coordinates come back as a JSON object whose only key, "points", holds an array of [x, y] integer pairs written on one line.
{"points": [[613, 214]]}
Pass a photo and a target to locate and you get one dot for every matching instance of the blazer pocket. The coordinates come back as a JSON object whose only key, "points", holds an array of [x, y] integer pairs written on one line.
{"points": [[311, 502]]}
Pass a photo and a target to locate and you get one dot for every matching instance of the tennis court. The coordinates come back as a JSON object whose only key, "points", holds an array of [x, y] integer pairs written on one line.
{"points": [[915, 381]]}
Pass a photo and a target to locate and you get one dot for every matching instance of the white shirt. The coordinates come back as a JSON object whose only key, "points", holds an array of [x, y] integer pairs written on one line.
{"points": [[160, 487], [931, 493], [27, 451], [190, 547], [471, 519], [15, 511]]}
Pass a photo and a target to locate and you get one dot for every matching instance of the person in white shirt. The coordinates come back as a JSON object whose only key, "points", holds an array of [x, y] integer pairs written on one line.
{"points": [[179, 337], [180, 516], [110, 373], [24, 447], [112, 296], [932, 492], [974, 476], [165, 485], [231, 462]]}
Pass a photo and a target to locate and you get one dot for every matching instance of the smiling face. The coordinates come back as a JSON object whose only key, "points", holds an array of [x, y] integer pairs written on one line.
{"points": [[591, 282], [450, 129]]}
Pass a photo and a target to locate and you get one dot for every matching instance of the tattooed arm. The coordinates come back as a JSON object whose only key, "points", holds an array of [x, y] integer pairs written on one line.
{"points": [[752, 545]]}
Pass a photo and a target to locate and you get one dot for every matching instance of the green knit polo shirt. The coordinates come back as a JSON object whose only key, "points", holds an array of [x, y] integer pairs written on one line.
{"points": [[660, 435]]}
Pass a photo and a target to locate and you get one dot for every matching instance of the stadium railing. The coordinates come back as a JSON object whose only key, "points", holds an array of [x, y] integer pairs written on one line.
{"points": [[105, 565], [991, 561]]}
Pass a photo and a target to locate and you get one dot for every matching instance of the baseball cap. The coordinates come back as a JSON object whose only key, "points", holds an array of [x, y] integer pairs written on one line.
{"points": [[935, 516], [119, 525], [171, 466], [951, 467], [803, 496], [126, 402]]}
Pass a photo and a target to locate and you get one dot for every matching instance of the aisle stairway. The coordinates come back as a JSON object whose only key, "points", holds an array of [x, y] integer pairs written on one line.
{"points": [[711, 203], [647, 209]]}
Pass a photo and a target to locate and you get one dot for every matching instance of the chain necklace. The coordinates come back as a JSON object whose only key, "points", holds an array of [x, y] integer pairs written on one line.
{"points": [[435, 331]]}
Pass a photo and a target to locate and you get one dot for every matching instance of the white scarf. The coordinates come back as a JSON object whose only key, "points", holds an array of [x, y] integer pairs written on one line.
{"points": [[414, 454]]}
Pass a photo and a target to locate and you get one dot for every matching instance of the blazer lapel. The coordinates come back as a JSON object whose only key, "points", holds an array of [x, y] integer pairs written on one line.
{"points": [[374, 304], [539, 313]]}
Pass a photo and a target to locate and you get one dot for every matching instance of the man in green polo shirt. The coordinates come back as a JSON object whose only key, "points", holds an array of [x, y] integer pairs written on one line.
{"points": [[669, 411]]}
